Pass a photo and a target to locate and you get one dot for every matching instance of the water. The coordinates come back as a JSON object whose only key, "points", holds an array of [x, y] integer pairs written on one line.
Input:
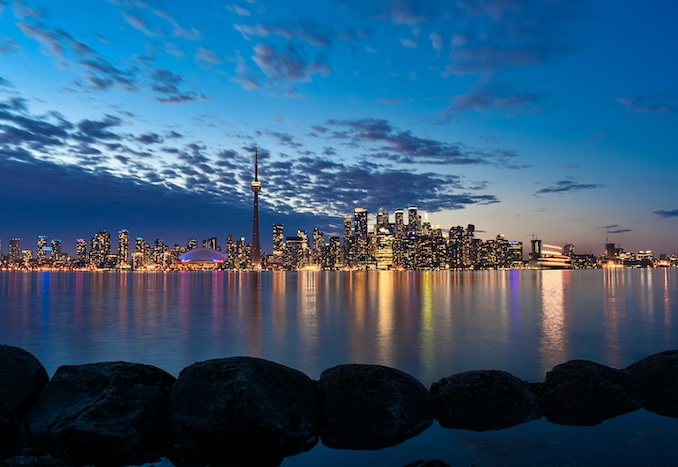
{"points": [[429, 324]]}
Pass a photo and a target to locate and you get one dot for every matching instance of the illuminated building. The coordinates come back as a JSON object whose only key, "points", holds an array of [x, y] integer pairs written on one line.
{"points": [[382, 218], [413, 220], [349, 243], [469, 248], [210, 243], [81, 251], [360, 256], [14, 250], [192, 243], [56, 250], [255, 186], [100, 248], [455, 247], [123, 248], [140, 256], [318, 246], [27, 257], [516, 254], [399, 223], [383, 253], [332, 260], [202, 258], [278, 244], [42, 252]]}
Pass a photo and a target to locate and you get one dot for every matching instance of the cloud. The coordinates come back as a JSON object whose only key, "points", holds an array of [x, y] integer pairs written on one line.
{"points": [[8, 45], [167, 83], [205, 55], [288, 64], [436, 41], [404, 147], [618, 231], [489, 96], [149, 138], [646, 104], [666, 214], [139, 24], [568, 186], [307, 32]]}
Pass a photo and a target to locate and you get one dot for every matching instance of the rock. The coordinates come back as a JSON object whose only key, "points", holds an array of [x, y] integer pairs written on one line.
{"points": [[372, 407], [427, 463], [33, 461], [101, 413], [242, 410], [484, 400], [580, 392], [22, 377], [660, 371]]}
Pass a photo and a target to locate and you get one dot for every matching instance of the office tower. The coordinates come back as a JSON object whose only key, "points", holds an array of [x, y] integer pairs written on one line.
{"points": [[278, 243], [348, 230], [192, 243], [382, 218], [568, 250], [210, 243], [413, 221], [139, 256], [56, 250], [255, 186], [399, 223], [360, 254], [123, 247], [318, 246], [27, 257], [332, 260], [81, 251], [100, 248], [455, 247], [41, 250], [14, 250], [159, 250], [516, 254]]}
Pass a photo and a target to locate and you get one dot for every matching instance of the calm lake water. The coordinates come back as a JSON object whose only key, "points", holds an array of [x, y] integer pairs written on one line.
{"points": [[429, 324]]}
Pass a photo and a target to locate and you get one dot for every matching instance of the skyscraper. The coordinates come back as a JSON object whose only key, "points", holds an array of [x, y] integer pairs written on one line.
{"points": [[100, 248], [41, 250], [14, 250], [123, 248], [81, 251], [255, 186]]}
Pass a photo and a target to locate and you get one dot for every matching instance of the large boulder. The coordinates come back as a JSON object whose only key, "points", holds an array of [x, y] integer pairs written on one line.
{"points": [[580, 392], [484, 400], [372, 407], [102, 413], [660, 371], [242, 411], [22, 377]]}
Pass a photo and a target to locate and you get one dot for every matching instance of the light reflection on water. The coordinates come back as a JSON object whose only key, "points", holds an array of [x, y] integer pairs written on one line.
{"points": [[429, 324]]}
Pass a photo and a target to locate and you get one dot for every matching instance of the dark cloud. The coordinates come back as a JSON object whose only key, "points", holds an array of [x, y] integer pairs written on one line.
{"points": [[404, 147], [149, 138], [167, 83], [618, 231], [94, 130], [494, 96], [646, 104], [289, 64], [174, 135], [666, 214], [568, 186]]}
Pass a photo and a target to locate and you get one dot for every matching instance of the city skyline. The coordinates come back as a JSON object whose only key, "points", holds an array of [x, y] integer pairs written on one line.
{"points": [[527, 117]]}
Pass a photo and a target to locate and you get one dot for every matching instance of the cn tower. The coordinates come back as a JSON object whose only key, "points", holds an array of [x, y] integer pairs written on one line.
{"points": [[255, 186]]}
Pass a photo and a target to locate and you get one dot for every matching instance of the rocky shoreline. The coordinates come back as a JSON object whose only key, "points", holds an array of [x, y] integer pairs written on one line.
{"points": [[249, 411]]}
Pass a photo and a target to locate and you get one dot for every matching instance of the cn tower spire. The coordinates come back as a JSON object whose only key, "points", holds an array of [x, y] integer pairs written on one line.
{"points": [[255, 186]]}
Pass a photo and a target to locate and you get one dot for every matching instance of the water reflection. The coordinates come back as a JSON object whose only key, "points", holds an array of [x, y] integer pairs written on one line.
{"points": [[552, 346]]}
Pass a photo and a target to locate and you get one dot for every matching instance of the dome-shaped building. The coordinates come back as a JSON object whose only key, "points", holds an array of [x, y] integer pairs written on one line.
{"points": [[202, 258]]}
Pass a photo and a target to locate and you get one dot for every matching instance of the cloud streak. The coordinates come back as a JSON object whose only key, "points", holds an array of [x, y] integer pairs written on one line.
{"points": [[567, 186]]}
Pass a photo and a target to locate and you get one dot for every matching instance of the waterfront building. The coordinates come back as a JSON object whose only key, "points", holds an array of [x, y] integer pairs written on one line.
{"points": [[123, 248], [332, 257], [41, 249], [456, 247], [192, 243], [399, 230], [57, 255], [14, 254], [318, 246], [278, 245], [360, 254], [81, 256], [210, 243], [27, 257], [255, 186], [100, 248], [516, 254]]}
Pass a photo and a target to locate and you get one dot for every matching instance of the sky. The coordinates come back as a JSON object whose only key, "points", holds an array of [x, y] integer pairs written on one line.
{"points": [[533, 118]]}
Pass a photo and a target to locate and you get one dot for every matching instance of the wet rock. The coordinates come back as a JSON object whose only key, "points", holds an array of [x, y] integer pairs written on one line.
{"points": [[484, 400], [660, 371], [101, 413], [372, 407], [242, 411], [580, 392], [22, 377]]}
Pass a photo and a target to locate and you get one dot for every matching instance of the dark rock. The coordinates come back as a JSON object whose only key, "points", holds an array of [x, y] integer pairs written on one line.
{"points": [[242, 410], [484, 400], [22, 377], [427, 463], [580, 392], [102, 413], [660, 371], [372, 407]]}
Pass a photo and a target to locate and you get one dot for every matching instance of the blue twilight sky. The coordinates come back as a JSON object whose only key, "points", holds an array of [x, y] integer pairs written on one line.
{"points": [[546, 117]]}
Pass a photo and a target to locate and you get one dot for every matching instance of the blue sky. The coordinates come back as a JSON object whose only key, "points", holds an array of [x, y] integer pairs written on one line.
{"points": [[554, 118]]}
